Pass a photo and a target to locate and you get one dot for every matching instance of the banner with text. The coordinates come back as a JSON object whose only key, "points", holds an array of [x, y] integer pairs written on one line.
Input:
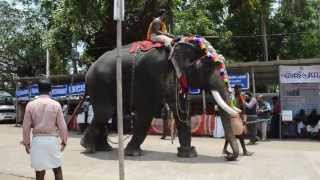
{"points": [[240, 79], [57, 91], [299, 74]]}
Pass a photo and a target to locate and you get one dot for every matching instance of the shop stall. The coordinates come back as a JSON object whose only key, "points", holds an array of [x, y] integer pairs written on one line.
{"points": [[299, 90]]}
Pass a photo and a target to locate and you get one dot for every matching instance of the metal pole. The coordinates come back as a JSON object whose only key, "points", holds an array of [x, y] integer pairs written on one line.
{"points": [[264, 32], [48, 65], [253, 82], [119, 96], [281, 104], [17, 102]]}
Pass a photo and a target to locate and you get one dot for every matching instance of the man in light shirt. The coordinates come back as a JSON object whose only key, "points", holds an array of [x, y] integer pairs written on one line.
{"points": [[250, 105], [44, 116], [264, 115]]}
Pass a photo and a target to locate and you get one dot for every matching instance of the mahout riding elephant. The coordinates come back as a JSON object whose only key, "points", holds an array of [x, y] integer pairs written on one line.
{"points": [[145, 78]]}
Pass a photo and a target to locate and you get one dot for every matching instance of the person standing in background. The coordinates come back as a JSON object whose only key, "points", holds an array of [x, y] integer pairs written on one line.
{"points": [[85, 107], [251, 112], [65, 110], [44, 116], [165, 115], [275, 120], [264, 115]]}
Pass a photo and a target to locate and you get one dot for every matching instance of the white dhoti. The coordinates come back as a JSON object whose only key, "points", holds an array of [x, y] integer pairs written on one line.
{"points": [[45, 153], [161, 38]]}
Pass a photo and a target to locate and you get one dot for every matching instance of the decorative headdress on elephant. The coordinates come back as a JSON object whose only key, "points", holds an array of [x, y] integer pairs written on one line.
{"points": [[208, 54]]}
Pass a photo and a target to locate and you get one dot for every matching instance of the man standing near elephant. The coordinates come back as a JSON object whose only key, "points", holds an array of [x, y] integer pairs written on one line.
{"points": [[251, 112], [264, 115], [165, 115], [157, 31], [44, 116]]}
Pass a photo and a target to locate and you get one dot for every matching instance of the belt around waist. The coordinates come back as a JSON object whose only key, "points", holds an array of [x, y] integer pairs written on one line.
{"points": [[43, 134]]}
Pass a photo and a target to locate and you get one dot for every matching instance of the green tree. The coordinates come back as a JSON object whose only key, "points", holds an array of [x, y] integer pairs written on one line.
{"points": [[91, 22], [21, 45], [298, 21], [201, 17]]}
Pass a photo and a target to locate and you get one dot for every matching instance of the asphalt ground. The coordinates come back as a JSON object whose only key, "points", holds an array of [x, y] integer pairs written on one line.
{"points": [[276, 160]]}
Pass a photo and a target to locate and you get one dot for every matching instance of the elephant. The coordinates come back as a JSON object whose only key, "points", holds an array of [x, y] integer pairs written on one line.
{"points": [[145, 81]]}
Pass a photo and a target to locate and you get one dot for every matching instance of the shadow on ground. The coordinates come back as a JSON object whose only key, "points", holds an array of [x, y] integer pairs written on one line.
{"points": [[157, 156]]}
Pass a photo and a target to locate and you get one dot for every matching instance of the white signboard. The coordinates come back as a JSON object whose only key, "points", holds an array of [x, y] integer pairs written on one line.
{"points": [[287, 115], [300, 74], [117, 10]]}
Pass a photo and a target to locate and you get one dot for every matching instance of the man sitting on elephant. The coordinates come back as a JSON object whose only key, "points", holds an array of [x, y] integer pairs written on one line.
{"points": [[157, 31]]}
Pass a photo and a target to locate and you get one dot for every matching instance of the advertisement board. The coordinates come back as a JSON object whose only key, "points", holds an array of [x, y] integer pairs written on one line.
{"points": [[24, 94], [299, 74], [240, 79]]}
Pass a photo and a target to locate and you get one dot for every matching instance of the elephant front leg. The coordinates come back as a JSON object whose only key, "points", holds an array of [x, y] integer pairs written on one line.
{"points": [[184, 134], [95, 139], [140, 130]]}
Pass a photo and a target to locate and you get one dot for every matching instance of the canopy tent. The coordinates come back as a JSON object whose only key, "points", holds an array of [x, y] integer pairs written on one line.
{"points": [[266, 73]]}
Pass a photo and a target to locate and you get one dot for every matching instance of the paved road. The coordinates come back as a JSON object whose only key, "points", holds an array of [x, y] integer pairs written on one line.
{"points": [[285, 160]]}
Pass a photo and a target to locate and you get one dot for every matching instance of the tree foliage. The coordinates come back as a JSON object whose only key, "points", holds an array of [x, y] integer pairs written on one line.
{"points": [[21, 43], [233, 26]]}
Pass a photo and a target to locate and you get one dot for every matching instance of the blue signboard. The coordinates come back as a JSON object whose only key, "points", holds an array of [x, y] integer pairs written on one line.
{"points": [[56, 92], [193, 91], [76, 89], [59, 90], [240, 79], [34, 90], [22, 94]]}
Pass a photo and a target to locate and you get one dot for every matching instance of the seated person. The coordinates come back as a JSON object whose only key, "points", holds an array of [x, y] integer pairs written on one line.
{"points": [[157, 31], [313, 123], [301, 121]]}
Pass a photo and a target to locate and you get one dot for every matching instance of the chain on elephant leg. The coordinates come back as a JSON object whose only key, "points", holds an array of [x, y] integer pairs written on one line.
{"points": [[186, 150]]}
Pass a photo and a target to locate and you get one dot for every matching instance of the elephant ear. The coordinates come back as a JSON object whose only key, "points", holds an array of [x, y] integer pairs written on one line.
{"points": [[186, 53]]}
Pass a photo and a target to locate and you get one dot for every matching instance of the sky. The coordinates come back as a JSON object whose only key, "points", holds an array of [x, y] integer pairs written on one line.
{"points": [[18, 5]]}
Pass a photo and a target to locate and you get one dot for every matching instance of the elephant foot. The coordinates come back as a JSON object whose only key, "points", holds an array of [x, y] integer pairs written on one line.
{"points": [[133, 152], [104, 147], [187, 152], [230, 157], [90, 150], [248, 153]]}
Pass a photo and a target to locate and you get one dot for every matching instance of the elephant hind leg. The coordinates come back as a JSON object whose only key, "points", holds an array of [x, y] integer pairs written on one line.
{"points": [[95, 136]]}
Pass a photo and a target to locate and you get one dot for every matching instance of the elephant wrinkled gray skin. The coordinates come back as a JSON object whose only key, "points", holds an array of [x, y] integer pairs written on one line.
{"points": [[153, 71]]}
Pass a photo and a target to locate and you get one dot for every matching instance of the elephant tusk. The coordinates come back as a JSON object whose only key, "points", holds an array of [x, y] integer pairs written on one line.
{"points": [[223, 104], [237, 109]]}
